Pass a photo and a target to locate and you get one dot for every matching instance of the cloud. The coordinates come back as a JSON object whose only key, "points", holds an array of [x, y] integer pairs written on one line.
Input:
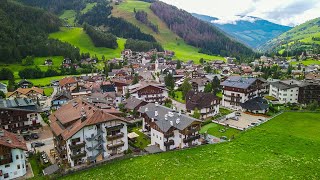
{"points": [[234, 20], [286, 12]]}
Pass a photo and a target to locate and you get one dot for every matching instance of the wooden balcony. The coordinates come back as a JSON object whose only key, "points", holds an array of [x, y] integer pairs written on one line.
{"points": [[168, 135], [116, 136], [79, 155], [115, 128], [77, 146], [115, 146], [191, 138]]}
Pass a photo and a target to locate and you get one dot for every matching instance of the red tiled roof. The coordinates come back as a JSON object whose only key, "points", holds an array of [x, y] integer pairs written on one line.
{"points": [[12, 140], [67, 80]]}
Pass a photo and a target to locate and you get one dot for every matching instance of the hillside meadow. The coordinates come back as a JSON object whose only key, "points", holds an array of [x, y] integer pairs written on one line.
{"points": [[165, 37], [287, 147]]}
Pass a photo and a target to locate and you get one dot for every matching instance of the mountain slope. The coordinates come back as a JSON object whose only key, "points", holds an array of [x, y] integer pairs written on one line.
{"points": [[166, 37], [254, 32], [303, 37]]}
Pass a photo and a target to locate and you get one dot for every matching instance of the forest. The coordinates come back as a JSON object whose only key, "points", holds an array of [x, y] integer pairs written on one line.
{"points": [[99, 38], [142, 46], [198, 33], [24, 31], [100, 16], [142, 16]]}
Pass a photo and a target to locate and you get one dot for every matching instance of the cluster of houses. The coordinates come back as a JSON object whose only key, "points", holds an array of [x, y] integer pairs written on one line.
{"points": [[89, 121]]}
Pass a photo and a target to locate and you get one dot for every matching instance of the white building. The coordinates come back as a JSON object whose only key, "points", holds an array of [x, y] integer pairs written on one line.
{"points": [[85, 134], [12, 158], [169, 129], [285, 91], [3, 88], [237, 90]]}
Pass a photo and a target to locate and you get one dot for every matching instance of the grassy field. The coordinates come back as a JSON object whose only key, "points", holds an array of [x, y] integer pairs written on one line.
{"points": [[178, 97], [69, 16], [218, 130], [306, 62], [286, 147], [166, 37], [142, 141], [40, 82], [38, 61], [48, 91], [77, 37], [88, 7]]}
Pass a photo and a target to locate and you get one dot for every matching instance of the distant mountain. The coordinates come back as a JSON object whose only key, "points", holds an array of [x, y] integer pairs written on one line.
{"points": [[305, 37], [251, 31]]}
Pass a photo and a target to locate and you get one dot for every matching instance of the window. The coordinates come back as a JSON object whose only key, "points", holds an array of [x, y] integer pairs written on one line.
{"points": [[18, 166], [23, 166], [153, 134], [21, 156], [7, 165], [157, 136], [6, 175], [17, 156]]}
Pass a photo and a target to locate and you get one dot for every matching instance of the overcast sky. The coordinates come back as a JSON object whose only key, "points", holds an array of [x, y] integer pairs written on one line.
{"points": [[285, 12]]}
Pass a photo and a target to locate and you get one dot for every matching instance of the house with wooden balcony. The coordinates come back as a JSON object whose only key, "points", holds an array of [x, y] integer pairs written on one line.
{"points": [[150, 93], [168, 128], [12, 155], [85, 134], [238, 90], [19, 114]]}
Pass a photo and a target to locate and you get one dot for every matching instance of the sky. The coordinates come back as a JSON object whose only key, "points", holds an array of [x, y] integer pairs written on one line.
{"points": [[285, 12]]}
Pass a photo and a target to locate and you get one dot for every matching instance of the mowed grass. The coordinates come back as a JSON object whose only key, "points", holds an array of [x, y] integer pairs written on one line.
{"points": [[166, 37], [69, 16], [77, 37], [286, 147], [218, 130], [38, 61], [40, 82], [306, 62], [48, 91], [142, 141], [178, 97]]}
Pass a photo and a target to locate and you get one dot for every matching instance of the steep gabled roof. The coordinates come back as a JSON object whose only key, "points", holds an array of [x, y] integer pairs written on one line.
{"points": [[200, 100], [12, 140]]}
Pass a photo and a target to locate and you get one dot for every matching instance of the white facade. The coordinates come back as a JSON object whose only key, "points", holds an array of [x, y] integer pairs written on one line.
{"points": [[16, 168], [158, 139], [151, 97], [289, 95], [95, 143], [242, 97]]}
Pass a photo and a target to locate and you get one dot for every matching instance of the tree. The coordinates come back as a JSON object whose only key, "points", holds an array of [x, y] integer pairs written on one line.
{"points": [[208, 88], [185, 87], [196, 113], [299, 66], [169, 81], [178, 64], [2, 95], [6, 74], [208, 69], [135, 79], [201, 61], [11, 85], [313, 106], [28, 61], [215, 85]]}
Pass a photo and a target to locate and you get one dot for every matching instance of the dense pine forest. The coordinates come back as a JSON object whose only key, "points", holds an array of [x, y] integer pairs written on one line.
{"points": [[142, 46], [198, 33], [99, 38], [24, 31]]}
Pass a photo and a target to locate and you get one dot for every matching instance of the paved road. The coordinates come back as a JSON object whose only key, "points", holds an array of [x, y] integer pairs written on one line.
{"points": [[179, 106]]}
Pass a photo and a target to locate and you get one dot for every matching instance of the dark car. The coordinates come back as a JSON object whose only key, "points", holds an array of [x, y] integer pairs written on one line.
{"points": [[26, 137], [34, 136], [37, 144]]}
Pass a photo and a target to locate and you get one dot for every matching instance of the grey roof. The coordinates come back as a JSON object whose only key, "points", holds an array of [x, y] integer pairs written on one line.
{"points": [[51, 169], [163, 111], [285, 84], [2, 86], [255, 104], [18, 103], [132, 103], [153, 149], [238, 82]]}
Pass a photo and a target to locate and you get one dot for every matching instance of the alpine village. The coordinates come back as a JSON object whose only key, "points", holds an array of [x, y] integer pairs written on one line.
{"points": [[141, 89]]}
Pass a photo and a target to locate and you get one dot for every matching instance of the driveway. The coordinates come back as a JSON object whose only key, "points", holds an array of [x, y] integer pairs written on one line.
{"points": [[244, 120], [179, 106]]}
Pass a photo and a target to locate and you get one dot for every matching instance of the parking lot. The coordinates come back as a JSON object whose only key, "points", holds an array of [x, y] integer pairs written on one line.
{"points": [[244, 120]]}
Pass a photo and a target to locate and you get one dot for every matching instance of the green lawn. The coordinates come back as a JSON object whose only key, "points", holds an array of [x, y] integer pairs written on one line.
{"points": [[40, 82], [306, 62], [286, 147], [69, 16], [35, 165], [166, 37], [88, 7], [77, 37], [48, 91], [219, 130], [178, 97], [142, 141]]}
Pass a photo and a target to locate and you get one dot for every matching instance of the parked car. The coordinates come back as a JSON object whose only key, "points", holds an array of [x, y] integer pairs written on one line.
{"points": [[34, 136], [238, 114], [37, 144]]}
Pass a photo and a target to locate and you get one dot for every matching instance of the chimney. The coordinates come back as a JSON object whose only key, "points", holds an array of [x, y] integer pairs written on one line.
{"points": [[156, 113], [156, 104], [171, 123], [146, 110], [1, 132], [178, 121]]}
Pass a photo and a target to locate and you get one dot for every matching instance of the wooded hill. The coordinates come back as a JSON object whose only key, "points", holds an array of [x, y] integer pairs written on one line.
{"points": [[24, 31]]}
